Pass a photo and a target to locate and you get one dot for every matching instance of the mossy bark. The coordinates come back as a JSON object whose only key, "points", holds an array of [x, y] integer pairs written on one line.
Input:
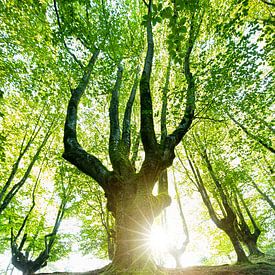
{"points": [[134, 216]]}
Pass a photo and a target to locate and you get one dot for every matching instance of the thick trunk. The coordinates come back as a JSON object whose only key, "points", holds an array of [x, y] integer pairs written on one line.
{"points": [[134, 210], [134, 219], [241, 256], [132, 233]]}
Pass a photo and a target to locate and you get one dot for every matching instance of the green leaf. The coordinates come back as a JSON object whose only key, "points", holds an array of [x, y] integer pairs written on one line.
{"points": [[183, 29], [166, 13]]}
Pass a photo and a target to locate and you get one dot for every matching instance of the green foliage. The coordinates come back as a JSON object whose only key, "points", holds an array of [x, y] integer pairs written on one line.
{"points": [[41, 59]]}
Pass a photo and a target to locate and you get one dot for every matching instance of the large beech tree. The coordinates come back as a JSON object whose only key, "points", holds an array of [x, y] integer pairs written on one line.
{"points": [[106, 52], [129, 192]]}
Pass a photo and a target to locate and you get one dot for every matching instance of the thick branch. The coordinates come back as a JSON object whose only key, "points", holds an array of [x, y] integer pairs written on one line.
{"points": [[163, 178], [114, 120], [147, 131], [73, 152], [126, 131], [173, 139]]}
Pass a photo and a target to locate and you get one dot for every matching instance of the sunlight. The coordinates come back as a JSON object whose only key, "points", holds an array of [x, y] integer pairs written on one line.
{"points": [[158, 239]]}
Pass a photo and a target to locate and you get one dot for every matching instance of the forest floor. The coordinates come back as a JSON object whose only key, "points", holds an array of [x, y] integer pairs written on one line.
{"points": [[251, 269], [245, 269], [264, 265], [260, 266]]}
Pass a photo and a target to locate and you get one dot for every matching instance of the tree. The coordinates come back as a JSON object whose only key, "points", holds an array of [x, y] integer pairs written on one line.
{"points": [[7, 193], [227, 223], [129, 194], [220, 51], [246, 235], [30, 259]]}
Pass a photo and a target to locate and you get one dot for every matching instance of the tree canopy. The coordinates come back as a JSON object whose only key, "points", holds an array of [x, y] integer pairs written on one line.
{"points": [[125, 115]]}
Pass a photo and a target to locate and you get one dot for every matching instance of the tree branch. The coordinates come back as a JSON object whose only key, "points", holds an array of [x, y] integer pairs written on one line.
{"points": [[126, 131], [272, 150], [64, 42], [264, 195], [73, 152], [227, 207], [22, 152], [163, 120], [135, 149], [146, 4], [114, 121], [173, 139], [147, 130], [203, 192], [184, 224], [19, 184], [268, 3]]}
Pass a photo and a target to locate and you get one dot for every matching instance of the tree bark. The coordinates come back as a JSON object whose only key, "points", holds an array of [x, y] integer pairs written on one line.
{"points": [[134, 213], [231, 233]]}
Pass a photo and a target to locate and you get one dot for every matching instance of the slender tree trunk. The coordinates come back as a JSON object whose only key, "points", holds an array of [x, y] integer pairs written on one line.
{"points": [[227, 224], [247, 237], [264, 195]]}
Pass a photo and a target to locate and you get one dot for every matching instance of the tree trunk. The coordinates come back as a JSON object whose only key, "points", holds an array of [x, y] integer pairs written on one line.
{"points": [[227, 224], [134, 217], [253, 248], [241, 257]]}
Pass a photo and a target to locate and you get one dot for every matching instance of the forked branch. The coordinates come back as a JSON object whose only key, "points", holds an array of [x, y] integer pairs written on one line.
{"points": [[73, 152]]}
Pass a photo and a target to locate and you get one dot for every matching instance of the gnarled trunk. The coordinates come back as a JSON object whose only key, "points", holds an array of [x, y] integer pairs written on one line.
{"points": [[128, 192], [133, 225], [134, 214]]}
